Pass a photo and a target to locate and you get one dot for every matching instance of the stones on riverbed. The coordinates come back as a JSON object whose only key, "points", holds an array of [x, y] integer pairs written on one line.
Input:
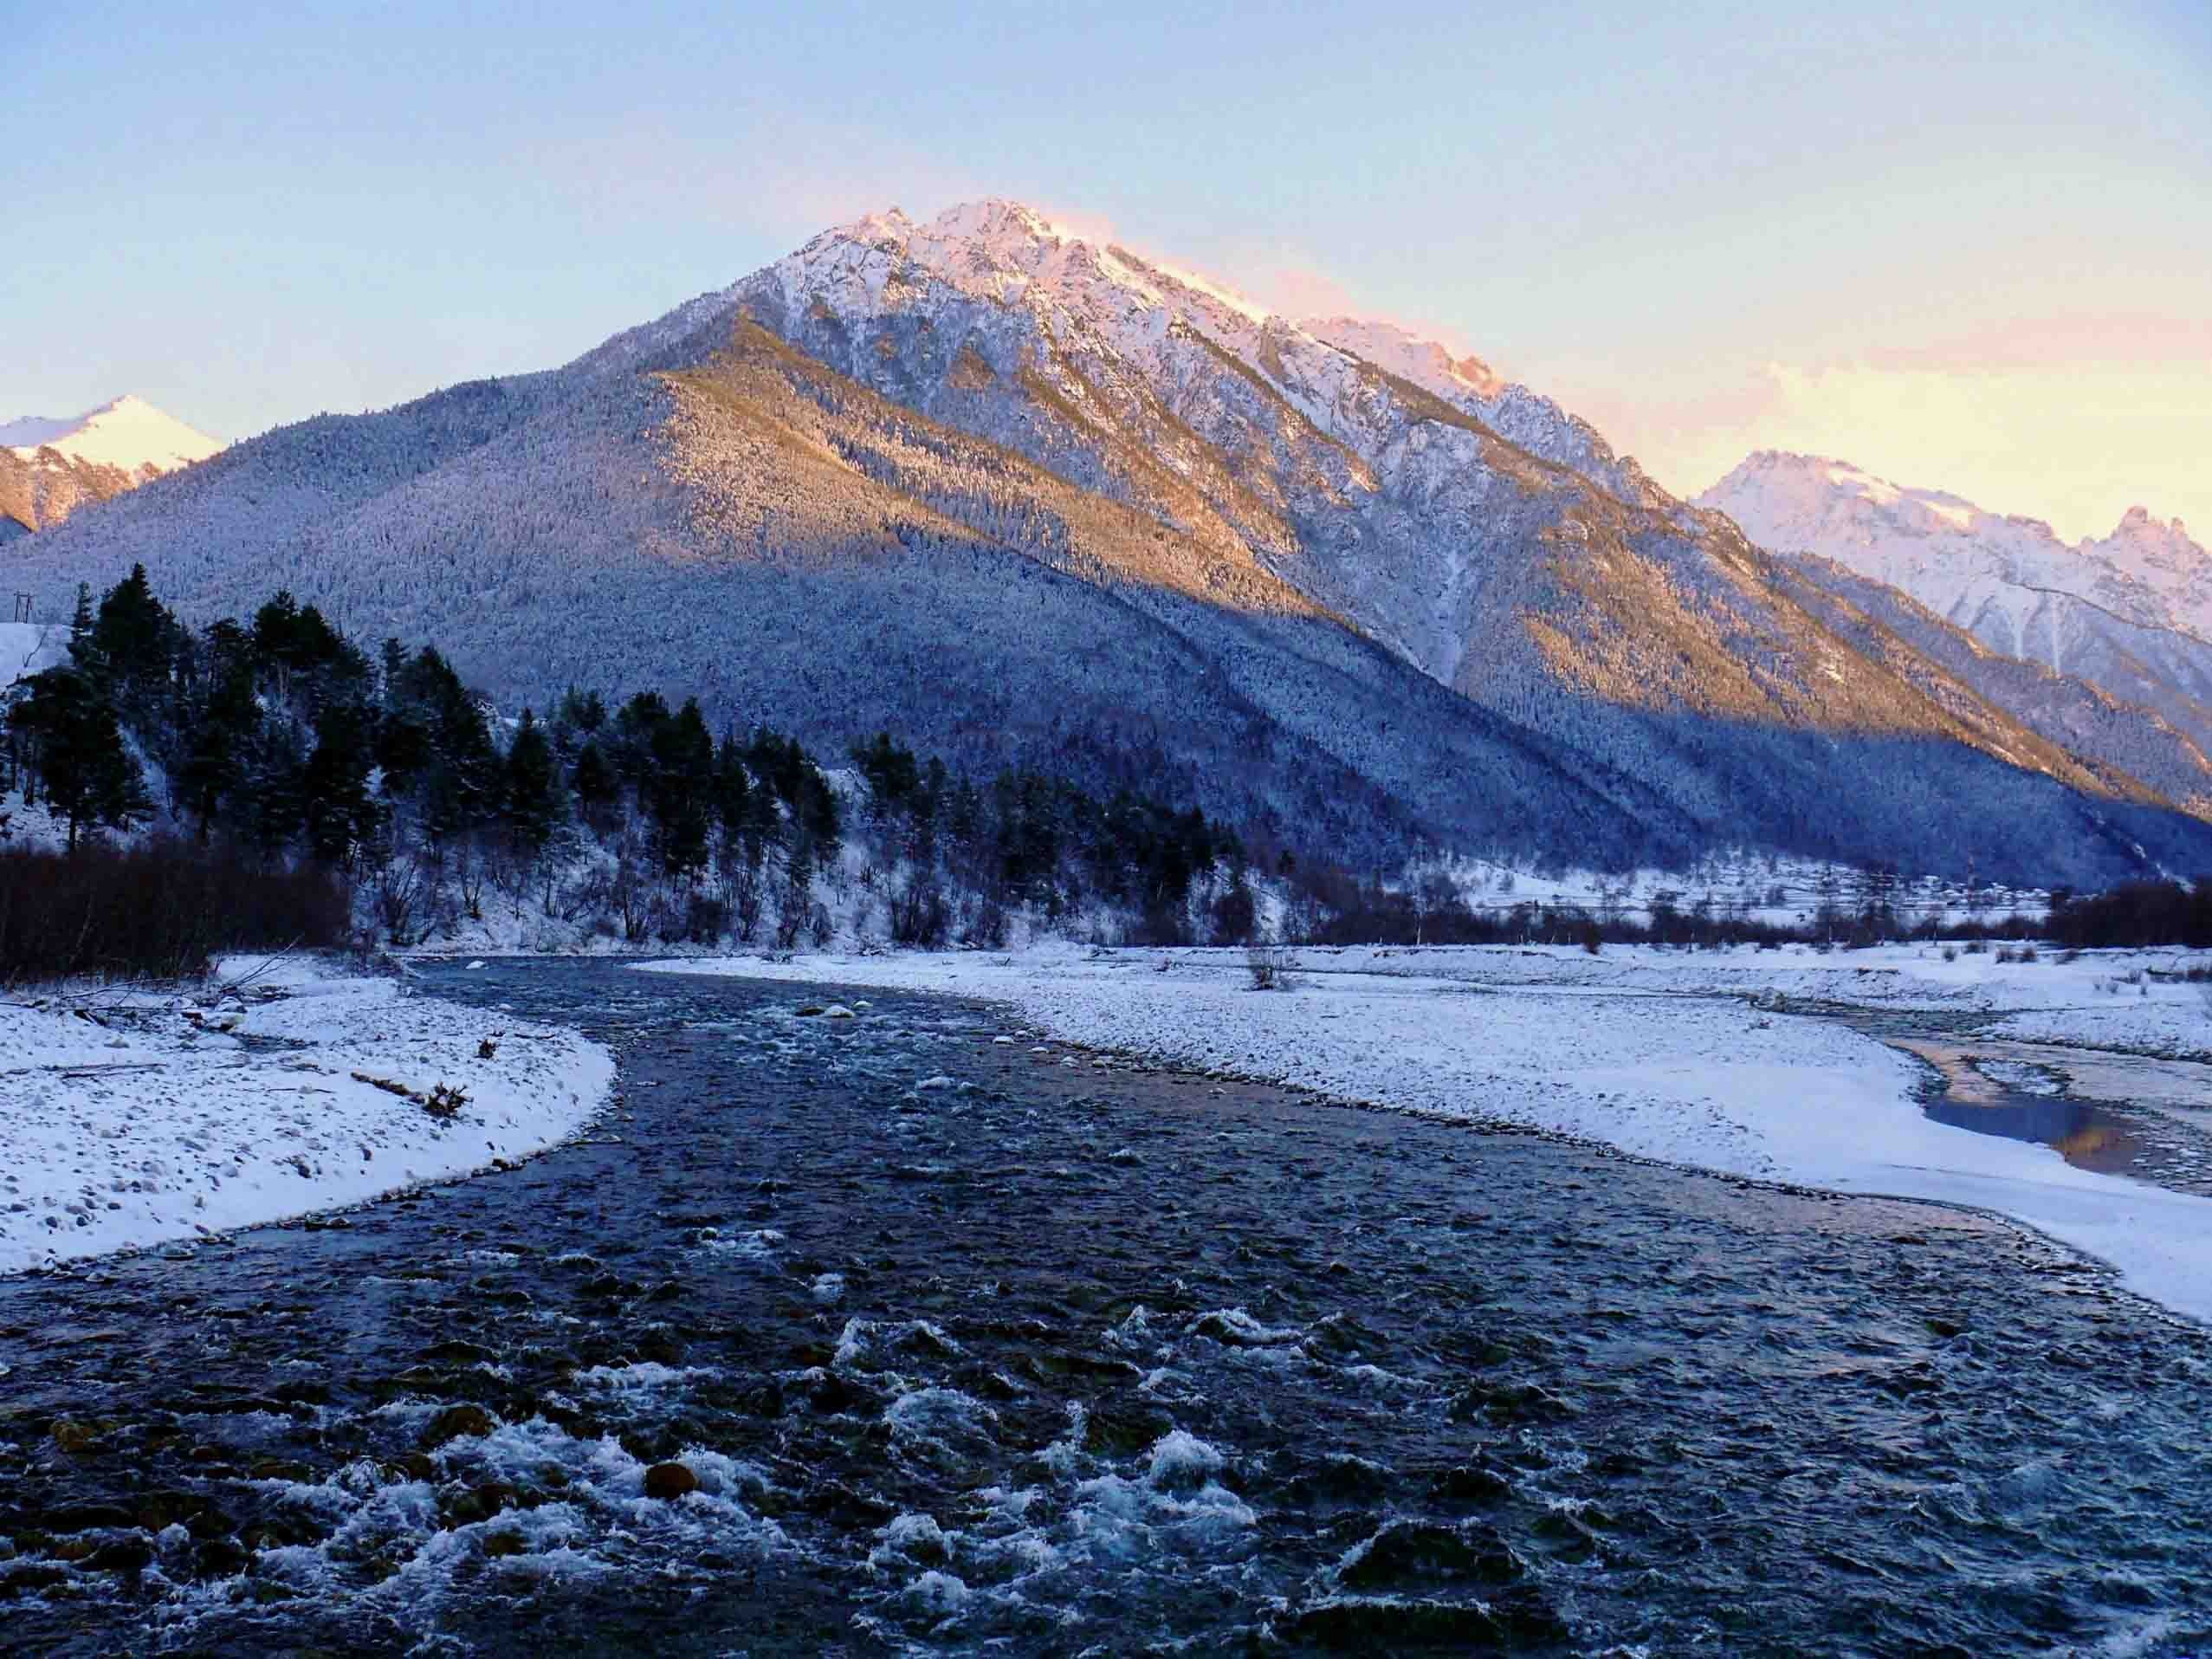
{"points": [[459, 1352], [608, 1286], [480, 1502], [668, 1481], [218, 1558], [1509, 1403], [122, 1555], [88, 1518], [505, 1543], [455, 1423], [1514, 1617], [73, 1437], [1407, 1552]]}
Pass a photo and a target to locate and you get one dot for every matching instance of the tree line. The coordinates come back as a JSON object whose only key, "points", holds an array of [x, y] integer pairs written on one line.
{"points": [[280, 744]]}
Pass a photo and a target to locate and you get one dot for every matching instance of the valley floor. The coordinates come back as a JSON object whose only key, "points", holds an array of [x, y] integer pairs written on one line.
{"points": [[130, 1120], [1689, 1058]]}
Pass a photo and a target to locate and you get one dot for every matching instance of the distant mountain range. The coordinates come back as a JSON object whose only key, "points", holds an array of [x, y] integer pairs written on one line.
{"points": [[2129, 615], [1014, 492], [50, 468], [2006, 580]]}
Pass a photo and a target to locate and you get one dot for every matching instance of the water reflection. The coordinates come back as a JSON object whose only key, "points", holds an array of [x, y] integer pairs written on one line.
{"points": [[2088, 1137]]}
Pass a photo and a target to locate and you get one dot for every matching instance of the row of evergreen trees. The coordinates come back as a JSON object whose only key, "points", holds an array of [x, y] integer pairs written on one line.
{"points": [[280, 738]]}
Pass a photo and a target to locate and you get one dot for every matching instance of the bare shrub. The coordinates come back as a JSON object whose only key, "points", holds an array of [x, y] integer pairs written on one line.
{"points": [[919, 913], [164, 908], [1269, 966], [444, 1100], [791, 917]]}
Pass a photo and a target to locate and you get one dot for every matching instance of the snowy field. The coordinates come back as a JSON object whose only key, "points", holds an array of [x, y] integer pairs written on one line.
{"points": [[129, 1120], [1680, 1056]]}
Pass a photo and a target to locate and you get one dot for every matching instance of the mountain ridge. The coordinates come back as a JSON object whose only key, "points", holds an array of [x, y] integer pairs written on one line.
{"points": [[1010, 489]]}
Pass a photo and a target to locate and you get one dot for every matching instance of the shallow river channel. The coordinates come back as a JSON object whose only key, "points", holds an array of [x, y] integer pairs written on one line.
{"points": [[967, 1346]]}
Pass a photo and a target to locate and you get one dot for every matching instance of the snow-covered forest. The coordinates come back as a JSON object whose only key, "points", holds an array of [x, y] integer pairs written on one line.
{"points": [[282, 748]]}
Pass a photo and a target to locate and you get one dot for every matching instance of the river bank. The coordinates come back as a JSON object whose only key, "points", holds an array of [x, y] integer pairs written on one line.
{"points": [[1687, 1057], [971, 1347], [135, 1119]]}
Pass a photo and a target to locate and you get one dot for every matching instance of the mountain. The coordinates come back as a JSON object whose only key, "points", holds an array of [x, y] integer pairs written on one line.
{"points": [[1017, 493], [2009, 581], [2130, 614], [50, 468]]}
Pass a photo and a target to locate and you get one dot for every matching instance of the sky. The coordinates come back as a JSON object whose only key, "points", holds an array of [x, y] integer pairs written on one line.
{"points": [[1964, 246]]}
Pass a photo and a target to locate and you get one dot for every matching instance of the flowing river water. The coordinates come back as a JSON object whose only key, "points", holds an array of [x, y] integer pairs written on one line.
{"points": [[967, 1346]]}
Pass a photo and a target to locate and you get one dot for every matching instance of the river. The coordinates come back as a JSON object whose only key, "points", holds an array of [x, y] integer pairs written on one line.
{"points": [[965, 1345]]}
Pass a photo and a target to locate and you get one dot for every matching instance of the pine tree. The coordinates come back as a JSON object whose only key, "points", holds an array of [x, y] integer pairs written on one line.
{"points": [[593, 781], [132, 648], [533, 806], [77, 753], [225, 725], [680, 788], [336, 811]]}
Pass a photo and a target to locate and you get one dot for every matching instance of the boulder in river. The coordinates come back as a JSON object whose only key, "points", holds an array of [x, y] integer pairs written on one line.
{"points": [[668, 1481], [455, 1422]]}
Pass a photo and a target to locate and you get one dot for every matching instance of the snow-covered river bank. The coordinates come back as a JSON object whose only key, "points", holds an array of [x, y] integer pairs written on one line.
{"points": [[1687, 1057], [135, 1120]]}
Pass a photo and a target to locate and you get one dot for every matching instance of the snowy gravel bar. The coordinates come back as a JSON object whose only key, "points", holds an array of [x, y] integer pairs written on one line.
{"points": [[135, 1120], [1668, 1055]]}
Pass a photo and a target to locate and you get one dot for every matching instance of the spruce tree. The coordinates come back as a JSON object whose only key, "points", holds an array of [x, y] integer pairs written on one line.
{"points": [[593, 781], [337, 811], [532, 806], [69, 730]]}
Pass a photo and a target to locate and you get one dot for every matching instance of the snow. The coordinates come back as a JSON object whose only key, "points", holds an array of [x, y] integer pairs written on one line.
{"points": [[1666, 1055], [1874, 489], [128, 432], [1428, 363], [1987, 573], [134, 1120], [28, 648]]}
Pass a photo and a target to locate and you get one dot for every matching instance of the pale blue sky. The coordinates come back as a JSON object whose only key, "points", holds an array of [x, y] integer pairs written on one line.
{"points": [[1722, 226]]}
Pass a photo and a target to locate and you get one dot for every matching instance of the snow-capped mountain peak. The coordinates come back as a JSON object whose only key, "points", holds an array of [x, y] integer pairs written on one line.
{"points": [[127, 432], [2001, 577], [1103, 304], [1010, 253]]}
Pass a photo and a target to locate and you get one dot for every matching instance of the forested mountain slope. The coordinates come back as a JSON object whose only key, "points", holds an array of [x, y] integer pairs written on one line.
{"points": [[1016, 493]]}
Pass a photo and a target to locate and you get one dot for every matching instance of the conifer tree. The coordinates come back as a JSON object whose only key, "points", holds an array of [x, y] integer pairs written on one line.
{"points": [[533, 805], [336, 809], [68, 730]]}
